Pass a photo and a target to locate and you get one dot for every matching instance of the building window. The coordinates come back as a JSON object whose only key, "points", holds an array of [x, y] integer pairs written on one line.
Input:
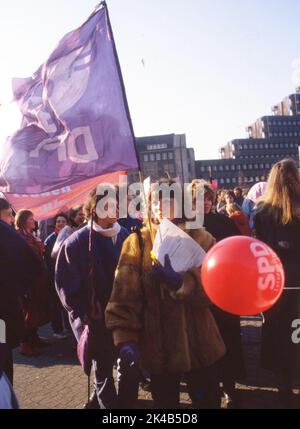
{"points": [[226, 167], [221, 167], [158, 157], [152, 157], [170, 155], [157, 146], [202, 169], [164, 156], [146, 158]]}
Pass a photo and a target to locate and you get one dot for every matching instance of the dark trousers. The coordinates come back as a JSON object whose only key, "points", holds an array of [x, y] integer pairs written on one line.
{"points": [[202, 385], [128, 385], [30, 336], [9, 365], [59, 316], [104, 383], [128, 379], [103, 363]]}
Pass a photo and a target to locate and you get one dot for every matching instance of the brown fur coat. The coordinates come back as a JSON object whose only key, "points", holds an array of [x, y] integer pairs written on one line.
{"points": [[176, 332]]}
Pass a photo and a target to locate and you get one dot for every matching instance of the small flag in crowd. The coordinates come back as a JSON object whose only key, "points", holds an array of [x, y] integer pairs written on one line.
{"points": [[76, 124]]}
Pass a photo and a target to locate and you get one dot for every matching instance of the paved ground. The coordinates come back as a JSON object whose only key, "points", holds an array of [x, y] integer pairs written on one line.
{"points": [[55, 380]]}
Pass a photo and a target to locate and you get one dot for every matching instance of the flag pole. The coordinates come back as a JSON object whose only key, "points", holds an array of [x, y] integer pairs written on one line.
{"points": [[149, 211], [103, 3]]}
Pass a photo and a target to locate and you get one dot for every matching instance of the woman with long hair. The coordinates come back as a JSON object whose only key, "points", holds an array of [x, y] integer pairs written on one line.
{"points": [[35, 302], [231, 368], [277, 223], [160, 318]]}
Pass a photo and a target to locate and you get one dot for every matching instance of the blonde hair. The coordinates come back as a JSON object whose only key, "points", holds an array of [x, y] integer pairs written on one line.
{"points": [[282, 197], [222, 196], [232, 208]]}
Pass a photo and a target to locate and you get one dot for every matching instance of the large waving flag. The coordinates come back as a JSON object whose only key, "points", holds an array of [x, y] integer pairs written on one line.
{"points": [[76, 123], [48, 204]]}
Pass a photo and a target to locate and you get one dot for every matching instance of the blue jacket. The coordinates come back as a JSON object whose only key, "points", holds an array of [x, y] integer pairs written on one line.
{"points": [[73, 266], [249, 208]]}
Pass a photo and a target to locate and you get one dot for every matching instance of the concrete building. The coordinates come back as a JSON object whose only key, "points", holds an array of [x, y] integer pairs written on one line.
{"points": [[271, 138]]}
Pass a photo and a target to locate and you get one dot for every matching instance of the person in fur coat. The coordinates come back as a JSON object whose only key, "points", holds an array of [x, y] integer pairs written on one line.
{"points": [[162, 319]]}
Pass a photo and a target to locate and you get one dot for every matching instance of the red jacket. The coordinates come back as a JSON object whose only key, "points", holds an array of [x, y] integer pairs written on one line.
{"points": [[241, 222], [35, 306]]}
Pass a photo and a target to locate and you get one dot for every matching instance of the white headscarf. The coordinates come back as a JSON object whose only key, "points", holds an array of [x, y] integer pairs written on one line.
{"points": [[257, 191]]}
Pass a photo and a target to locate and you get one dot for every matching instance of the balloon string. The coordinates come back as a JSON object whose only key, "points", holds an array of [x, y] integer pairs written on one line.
{"points": [[291, 288]]}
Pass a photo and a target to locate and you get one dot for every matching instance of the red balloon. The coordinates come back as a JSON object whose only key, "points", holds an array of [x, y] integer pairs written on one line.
{"points": [[242, 276]]}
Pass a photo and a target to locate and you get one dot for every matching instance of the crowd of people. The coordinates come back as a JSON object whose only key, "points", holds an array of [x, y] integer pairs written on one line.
{"points": [[93, 277]]}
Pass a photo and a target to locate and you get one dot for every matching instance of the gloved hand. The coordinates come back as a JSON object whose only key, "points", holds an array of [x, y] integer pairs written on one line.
{"points": [[129, 354], [167, 275]]}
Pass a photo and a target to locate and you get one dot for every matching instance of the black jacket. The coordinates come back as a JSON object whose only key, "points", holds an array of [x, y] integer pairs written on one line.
{"points": [[220, 226], [18, 268], [278, 352], [232, 365]]}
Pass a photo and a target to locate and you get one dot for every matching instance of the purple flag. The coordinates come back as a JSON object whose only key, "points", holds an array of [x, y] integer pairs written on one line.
{"points": [[76, 124]]}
